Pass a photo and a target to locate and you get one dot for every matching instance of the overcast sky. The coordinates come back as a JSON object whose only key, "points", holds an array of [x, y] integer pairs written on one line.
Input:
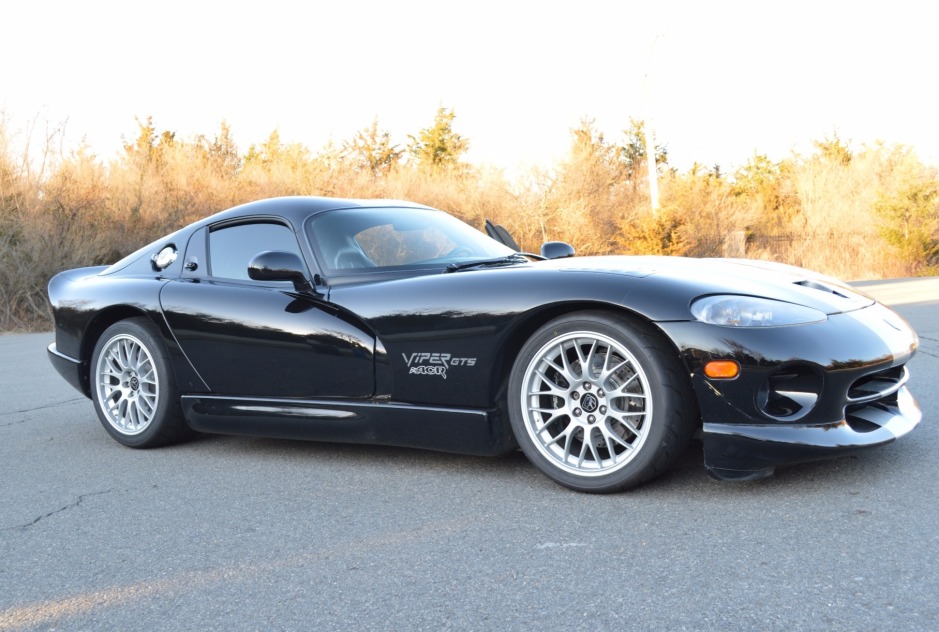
{"points": [[725, 79]]}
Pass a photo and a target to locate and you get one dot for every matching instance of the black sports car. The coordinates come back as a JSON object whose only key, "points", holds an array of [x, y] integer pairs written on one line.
{"points": [[393, 323]]}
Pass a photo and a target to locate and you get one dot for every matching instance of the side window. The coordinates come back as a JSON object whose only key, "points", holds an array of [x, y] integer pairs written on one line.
{"points": [[231, 248]]}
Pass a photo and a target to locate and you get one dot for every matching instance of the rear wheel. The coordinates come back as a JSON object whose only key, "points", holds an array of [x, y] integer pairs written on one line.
{"points": [[133, 388], [599, 402]]}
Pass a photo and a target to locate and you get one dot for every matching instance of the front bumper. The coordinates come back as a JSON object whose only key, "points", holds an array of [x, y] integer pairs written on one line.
{"points": [[804, 392], [746, 452]]}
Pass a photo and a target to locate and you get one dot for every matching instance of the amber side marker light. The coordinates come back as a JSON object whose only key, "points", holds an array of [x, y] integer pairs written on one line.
{"points": [[722, 369]]}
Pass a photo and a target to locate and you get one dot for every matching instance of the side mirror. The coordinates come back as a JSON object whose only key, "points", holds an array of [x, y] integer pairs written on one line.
{"points": [[279, 265], [556, 250]]}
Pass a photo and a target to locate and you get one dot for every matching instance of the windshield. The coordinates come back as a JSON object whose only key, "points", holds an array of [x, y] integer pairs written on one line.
{"points": [[385, 238]]}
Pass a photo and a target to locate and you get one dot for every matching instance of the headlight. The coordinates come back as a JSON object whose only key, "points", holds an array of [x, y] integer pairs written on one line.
{"points": [[749, 311]]}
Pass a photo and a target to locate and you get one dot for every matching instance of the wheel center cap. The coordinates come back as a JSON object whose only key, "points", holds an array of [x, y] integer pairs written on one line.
{"points": [[589, 402], [134, 383]]}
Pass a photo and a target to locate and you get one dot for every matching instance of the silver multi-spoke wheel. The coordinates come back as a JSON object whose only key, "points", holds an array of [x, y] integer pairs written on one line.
{"points": [[132, 386], [586, 404], [128, 384], [599, 401]]}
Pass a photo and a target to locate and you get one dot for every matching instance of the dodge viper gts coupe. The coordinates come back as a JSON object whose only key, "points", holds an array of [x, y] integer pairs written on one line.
{"points": [[387, 322]]}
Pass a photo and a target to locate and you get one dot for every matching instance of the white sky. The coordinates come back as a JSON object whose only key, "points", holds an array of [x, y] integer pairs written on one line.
{"points": [[726, 78]]}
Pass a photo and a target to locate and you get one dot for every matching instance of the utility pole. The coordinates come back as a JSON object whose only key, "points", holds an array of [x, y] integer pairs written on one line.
{"points": [[650, 136]]}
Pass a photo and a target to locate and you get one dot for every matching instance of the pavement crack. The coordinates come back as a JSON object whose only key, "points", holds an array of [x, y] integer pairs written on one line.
{"points": [[77, 503], [34, 409]]}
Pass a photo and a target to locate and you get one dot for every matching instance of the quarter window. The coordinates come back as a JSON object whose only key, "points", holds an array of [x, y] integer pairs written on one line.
{"points": [[231, 248]]}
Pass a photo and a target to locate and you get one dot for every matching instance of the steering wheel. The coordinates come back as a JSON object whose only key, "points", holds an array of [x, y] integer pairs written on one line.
{"points": [[460, 251]]}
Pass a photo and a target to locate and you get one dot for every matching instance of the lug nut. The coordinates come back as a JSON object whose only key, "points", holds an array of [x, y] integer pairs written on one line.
{"points": [[591, 419], [577, 412], [602, 410], [587, 386], [575, 396], [600, 393]]}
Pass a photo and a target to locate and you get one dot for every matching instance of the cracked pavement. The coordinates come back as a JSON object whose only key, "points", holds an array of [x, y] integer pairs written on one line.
{"points": [[73, 505]]}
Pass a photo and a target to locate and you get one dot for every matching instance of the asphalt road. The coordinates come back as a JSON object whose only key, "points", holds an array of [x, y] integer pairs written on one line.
{"points": [[230, 533]]}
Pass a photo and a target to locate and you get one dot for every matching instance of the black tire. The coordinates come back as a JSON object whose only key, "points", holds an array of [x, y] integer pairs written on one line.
{"points": [[609, 428], [133, 387]]}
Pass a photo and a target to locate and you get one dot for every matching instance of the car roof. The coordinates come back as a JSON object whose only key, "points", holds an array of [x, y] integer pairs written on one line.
{"points": [[297, 208], [294, 209]]}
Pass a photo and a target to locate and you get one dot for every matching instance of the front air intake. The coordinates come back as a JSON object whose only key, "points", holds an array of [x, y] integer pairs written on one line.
{"points": [[789, 394], [877, 386]]}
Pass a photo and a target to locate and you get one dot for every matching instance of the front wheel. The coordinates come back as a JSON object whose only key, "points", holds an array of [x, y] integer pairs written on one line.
{"points": [[133, 388], [599, 402]]}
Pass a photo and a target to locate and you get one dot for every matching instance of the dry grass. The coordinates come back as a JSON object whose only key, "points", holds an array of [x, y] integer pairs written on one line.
{"points": [[824, 211]]}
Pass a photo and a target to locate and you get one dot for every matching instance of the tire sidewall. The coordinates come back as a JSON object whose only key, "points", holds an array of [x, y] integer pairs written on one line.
{"points": [[627, 333], [146, 334]]}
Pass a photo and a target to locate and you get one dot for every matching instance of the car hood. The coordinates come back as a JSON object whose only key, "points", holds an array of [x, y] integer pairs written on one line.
{"points": [[694, 278]]}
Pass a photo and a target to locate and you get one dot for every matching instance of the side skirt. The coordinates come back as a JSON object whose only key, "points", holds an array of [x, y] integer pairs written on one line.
{"points": [[461, 431]]}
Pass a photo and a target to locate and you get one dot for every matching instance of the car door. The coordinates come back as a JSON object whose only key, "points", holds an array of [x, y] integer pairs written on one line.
{"points": [[262, 339]]}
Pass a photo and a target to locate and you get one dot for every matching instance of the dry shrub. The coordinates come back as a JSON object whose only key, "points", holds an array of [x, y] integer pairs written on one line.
{"points": [[836, 218], [865, 215], [907, 211], [665, 232], [706, 210]]}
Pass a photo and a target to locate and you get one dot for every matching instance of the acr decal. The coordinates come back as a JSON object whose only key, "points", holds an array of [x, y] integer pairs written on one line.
{"points": [[423, 363]]}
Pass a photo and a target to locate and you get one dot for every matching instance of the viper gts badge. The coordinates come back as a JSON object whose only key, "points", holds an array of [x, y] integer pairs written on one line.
{"points": [[434, 363]]}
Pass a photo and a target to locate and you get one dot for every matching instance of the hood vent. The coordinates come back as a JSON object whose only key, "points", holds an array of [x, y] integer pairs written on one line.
{"points": [[815, 285], [840, 298]]}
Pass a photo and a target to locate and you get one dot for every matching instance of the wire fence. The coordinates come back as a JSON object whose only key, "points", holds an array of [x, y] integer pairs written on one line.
{"points": [[782, 246]]}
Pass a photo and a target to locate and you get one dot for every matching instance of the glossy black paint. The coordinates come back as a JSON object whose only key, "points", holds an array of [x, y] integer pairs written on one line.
{"points": [[277, 265], [421, 357], [741, 441], [746, 452], [477, 432], [556, 250], [263, 341]]}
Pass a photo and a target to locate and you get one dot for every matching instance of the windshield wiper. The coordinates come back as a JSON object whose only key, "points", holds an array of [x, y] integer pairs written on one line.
{"points": [[497, 261]]}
